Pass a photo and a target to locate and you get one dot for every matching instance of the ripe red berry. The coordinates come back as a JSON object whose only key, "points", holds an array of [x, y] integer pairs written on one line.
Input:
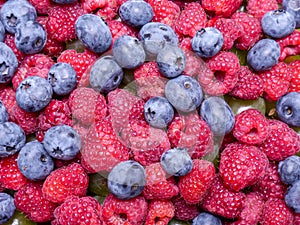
{"points": [[183, 210], [223, 8], [160, 212], [289, 45], [295, 81], [259, 8]]}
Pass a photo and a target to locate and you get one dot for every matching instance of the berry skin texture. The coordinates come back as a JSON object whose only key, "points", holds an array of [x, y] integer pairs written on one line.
{"points": [[7, 207], [10, 61], [292, 197], [224, 8], [183, 210], [289, 46], [295, 81], [3, 113], [160, 212], [206, 218], [259, 8], [289, 169]]}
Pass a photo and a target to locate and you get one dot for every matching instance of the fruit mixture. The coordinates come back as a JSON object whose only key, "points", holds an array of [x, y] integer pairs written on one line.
{"points": [[149, 112]]}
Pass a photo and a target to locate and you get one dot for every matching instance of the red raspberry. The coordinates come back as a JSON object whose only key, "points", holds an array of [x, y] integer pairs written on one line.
{"points": [[10, 175], [296, 218], [132, 211], [275, 211], [160, 212], [289, 45], [8, 98], [30, 200], [41, 6], [282, 141], [109, 12], [194, 186], [79, 211], [223, 201], [221, 75], [191, 19], [65, 182], [61, 21], [251, 127], [157, 185], [295, 81], [183, 210], [259, 8], [249, 86], [9, 40], [242, 165], [223, 8]]}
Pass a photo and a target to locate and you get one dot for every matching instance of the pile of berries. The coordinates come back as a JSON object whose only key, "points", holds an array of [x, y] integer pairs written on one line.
{"points": [[144, 112]]}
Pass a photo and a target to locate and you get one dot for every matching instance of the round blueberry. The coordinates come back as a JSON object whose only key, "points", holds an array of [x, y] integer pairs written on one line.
{"points": [[62, 78], [12, 139], [64, 1], [207, 42], [106, 74], [184, 93], [263, 55], [207, 219], [8, 63], [128, 52], [3, 113], [2, 32], [127, 179], [292, 6], [34, 162], [136, 13], [7, 207], [158, 112], [62, 142], [289, 169], [93, 32], [292, 197]]}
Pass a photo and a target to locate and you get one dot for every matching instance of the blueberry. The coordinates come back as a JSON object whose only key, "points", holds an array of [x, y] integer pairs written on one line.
{"points": [[127, 179], [14, 12], [64, 1], [93, 32], [263, 55], [62, 78], [292, 197], [8, 63], [278, 23], [158, 112], [184, 93], [128, 52], [62, 142], [34, 162], [176, 162], [136, 13], [34, 93], [155, 36], [288, 108], [207, 42], [292, 6], [218, 115], [106, 74], [205, 218], [3, 113], [171, 61], [2, 32], [7, 207], [289, 169], [12, 139]]}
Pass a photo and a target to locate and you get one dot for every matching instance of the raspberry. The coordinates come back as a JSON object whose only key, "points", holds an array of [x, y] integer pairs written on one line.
{"points": [[223, 8], [103, 8], [295, 81], [61, 21], [251, 127], [221, 75], [242, 165], [296, 218], [249, 86], [259, 8], [41, 6], [65, 182], [160, 212], [194, 186], [223, 201], [289, 45], [74, 211], [191, 19], [132, 211], [9, 40], [118, 29], [8, 98], [183, 210], [157, 185], [30, 200], [281, 143]]}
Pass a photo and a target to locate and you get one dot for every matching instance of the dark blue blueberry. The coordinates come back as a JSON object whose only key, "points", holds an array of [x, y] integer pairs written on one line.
{"points": [[278, 23], [184, 93], [263, 55], [289, 169], [136, 13], [3, 113], [205, 218], [106, 74], [62, 78], [14, 12], [155, 36], [64, 1], [30, 37], [8, 63], [62, 142], [12, 139], [176, 162], [34, 162], [218, 115], [292, 6], [2, 31], [288, 108], [207, 42], [292, 197], [93, 32], [171, 61], [128, 52], [127, 179], [7, 207], [158, 112], [34, 93]]}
